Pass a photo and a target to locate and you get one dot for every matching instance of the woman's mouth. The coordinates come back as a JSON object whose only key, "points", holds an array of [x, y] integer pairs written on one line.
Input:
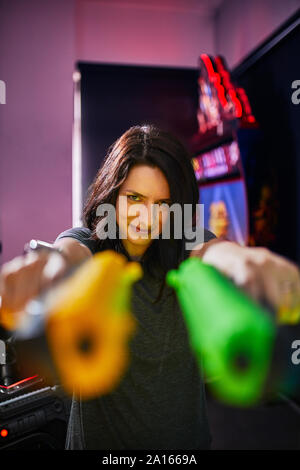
{"points": [[138, 229], [142, 230]]}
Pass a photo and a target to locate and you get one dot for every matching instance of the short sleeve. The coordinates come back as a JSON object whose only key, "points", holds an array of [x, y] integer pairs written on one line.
{"points": [[208, 235], [82, 234], [202, 236], [195, 236]]}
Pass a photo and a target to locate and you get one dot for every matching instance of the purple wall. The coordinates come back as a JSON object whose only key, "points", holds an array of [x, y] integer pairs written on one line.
{"points": [[151, 32], [37, 56]]}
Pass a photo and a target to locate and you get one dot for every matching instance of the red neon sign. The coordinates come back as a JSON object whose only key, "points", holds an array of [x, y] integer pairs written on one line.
{"points": [[215, 79], [233, 100]]}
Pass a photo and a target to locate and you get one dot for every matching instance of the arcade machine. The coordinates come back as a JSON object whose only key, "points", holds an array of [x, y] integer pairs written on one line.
{"points": [[240, 204], [223, 113]]}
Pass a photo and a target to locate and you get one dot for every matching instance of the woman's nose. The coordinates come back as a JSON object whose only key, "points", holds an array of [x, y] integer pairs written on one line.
{"points": [[145, 217], [148, 216]]}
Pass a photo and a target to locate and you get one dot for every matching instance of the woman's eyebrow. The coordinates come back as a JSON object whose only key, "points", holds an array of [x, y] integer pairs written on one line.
{"points": [[134, 192], [139, 194]]}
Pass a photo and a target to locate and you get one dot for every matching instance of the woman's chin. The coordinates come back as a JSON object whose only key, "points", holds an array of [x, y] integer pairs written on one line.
{"points": [[140, 241]]}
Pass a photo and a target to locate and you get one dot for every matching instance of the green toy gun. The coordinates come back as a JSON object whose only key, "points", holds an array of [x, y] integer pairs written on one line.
{"points": [[232, 336]]}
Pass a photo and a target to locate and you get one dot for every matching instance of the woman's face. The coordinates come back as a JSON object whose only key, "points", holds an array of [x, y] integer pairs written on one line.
{"points": [[135, 214]]}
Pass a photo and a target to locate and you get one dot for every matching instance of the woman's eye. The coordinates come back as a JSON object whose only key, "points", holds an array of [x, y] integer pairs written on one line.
{"points": [[132, 197], [165, 202]]}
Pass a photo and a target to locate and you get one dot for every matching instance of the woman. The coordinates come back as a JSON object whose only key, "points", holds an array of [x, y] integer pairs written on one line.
{"points": [[160, 401]]}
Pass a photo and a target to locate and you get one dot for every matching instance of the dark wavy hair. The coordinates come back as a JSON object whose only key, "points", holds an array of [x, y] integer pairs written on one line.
{"points": [[148, 145]]}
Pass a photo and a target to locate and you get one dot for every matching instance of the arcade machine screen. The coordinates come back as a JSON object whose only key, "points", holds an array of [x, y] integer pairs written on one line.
{"points": [[224, 201], [217, 159]]}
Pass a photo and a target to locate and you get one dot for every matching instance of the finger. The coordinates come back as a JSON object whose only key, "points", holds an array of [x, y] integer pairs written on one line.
{"points": [[289, 305], [253, 289], [7, 290], [282, 286], [13, 265], [27, 284], [19, 281]]}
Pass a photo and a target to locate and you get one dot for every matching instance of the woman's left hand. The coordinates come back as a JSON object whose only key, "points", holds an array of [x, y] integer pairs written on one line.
{"points": [[264, 275]]}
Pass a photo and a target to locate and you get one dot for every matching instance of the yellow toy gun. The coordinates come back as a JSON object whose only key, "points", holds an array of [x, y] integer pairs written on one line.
{"points": [[79, 329]]}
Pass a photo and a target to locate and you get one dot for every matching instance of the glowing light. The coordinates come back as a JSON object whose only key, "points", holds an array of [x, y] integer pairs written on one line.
{"points": [[18, 383]]}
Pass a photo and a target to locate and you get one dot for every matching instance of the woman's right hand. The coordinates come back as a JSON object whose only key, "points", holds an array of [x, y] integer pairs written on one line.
{"points": [[25, 277]]}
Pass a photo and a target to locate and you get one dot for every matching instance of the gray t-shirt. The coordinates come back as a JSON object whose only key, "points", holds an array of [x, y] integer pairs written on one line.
{"points": [[160, 400]]}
